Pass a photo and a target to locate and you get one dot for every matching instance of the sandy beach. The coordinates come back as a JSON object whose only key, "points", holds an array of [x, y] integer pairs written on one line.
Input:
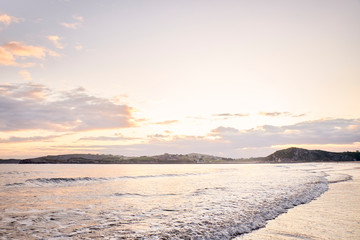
{"points": [[334, 215]]}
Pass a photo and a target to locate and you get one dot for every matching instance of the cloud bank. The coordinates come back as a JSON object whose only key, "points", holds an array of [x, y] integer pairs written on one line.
{"points": [[231, 142], [332, 131], [34, 106]]}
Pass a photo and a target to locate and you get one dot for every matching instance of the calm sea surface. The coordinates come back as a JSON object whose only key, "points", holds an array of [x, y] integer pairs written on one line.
{"points": [[150, 201]]}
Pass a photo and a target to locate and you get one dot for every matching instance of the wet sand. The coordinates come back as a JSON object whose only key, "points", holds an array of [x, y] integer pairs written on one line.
{"points": [[334, 215]]}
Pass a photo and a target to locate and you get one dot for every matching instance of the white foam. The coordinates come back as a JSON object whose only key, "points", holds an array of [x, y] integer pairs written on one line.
{"points": [[338, 177]]}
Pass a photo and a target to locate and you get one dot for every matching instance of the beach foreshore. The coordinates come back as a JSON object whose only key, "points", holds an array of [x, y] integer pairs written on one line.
{"points": [[334, 215]]}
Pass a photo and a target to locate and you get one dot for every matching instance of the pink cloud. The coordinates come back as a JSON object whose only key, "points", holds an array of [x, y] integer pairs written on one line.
{"points": [[166, 122], [25, 74], [56, 41], [6, 58], [6, 19], [24, 50], [13, 49], [73, 25]]}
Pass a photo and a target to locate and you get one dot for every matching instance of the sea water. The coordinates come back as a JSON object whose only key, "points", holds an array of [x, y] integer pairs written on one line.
{"points": [[151, 201]]}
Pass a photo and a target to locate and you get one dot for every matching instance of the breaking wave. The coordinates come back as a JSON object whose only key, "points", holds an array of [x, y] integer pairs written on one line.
{"points": [[338, 177], [63, 180]]}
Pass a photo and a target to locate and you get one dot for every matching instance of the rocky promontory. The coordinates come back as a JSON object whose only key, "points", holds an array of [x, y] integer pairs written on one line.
{"points": [[293, 154]]}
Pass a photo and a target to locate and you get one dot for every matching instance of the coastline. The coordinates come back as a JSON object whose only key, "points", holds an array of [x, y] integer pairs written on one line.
{"points": [[334, 215]]}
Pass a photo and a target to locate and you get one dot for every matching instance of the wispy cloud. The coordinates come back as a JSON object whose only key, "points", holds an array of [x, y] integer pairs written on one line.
{"points": [[282, 114], [70, 25], [28, 64], [166, 122], [7, 20], [53, 53], [33, 106], [229, 115], [9, 51], [218, 116], [25, 74], [157, 136], [55, 40], [73, 25], [79, 47], [108, 138], [29, 139], [78, 18]]}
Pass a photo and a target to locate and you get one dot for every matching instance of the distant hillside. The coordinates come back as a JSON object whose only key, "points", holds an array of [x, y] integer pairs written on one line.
{"points": [[304, 155], [114, 159], [290, 155], [74, 158], [8, 161]]}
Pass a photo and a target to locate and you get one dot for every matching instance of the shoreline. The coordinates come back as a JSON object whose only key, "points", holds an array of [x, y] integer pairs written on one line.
{"points": [[333, 215], [172, 163]]}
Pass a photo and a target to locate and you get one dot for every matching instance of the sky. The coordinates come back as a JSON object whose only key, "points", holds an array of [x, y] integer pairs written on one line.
{"points": [[228, 78]]}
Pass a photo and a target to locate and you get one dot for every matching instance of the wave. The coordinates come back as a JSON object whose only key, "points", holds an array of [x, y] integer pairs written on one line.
{"points": [[161, 175], [67, 180], [202, 191], [5, 174], [63, 180], [14, 184], [230, 223], [142, 195], [11, 172], [338, 177]]}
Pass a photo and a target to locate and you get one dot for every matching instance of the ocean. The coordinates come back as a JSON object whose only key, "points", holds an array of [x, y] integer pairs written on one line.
{"points": [[152, 201]]}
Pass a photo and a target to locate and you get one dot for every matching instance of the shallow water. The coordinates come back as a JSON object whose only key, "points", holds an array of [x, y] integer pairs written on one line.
{"points": [[335, 215], [151, 201]]}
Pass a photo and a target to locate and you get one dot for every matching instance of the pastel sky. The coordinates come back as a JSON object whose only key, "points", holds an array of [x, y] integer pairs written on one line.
{"points": [[228, 78]]}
